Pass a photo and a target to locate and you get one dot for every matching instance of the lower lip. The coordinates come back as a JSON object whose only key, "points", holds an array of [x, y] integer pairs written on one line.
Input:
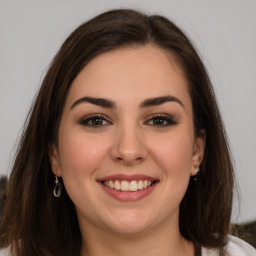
{"points": [[127, 196]]}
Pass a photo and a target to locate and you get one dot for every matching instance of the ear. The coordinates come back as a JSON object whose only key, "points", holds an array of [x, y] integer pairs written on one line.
{"points": [[198, 151], [54, 160]]}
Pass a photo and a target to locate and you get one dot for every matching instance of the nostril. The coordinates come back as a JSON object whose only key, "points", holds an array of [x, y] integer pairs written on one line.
{"points": [[129, 159]]}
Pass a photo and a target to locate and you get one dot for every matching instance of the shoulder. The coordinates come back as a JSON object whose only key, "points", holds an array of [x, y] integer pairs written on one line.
{"points": [[235, 247], [5, 252], [239, 247]]}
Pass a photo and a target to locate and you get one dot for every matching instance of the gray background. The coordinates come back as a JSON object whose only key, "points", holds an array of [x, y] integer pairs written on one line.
{"points": [[224, 32]]}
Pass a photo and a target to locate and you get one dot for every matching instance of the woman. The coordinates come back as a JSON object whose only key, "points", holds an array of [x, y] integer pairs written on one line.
{"points": [[124, 151]]}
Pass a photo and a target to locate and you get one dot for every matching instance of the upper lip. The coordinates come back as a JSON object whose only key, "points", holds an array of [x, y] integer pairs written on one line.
{"points": [[127, 177]]}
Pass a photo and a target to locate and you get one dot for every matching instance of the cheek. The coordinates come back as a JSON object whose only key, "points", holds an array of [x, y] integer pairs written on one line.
{"points": [[80, 156], [174, 154]]}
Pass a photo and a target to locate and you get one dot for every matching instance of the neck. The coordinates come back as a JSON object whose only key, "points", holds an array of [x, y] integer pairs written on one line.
{"points": [[164, 241]]}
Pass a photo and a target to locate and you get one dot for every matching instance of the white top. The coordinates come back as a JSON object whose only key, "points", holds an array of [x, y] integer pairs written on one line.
{"points": [[235, 247]]}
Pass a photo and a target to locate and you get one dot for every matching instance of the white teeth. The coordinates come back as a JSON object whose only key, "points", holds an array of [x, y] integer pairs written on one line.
{"points": [[111, 184], [140, 185], [133, 186], [125, 185], [117, 185]]}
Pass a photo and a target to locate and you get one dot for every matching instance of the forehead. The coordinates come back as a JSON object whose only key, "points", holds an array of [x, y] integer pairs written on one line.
{"points": [[131, 73]]}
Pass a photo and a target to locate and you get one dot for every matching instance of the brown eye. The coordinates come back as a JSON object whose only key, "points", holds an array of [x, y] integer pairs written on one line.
{"points": [[94, 121], [161, 120]]}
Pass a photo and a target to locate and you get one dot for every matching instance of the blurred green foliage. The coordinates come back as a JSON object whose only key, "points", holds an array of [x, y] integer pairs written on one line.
{"points": [[246, 231]]}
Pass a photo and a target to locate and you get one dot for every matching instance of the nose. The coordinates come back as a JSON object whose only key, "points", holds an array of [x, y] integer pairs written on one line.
{"points": [[129, 146]]}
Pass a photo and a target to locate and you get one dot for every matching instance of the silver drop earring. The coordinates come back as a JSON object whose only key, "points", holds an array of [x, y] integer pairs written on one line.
{"points": [[57, 188]]}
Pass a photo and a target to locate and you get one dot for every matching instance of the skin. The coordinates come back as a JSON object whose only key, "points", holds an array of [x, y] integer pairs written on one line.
{"points": [[129, 140]]}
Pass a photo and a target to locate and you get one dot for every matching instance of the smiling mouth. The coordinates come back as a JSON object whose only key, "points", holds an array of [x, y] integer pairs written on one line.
{"points": [[128, 186]]}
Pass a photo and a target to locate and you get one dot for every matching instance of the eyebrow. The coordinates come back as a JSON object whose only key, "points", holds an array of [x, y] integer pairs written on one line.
{"points": [[105, 103], [96, 101], [159, 101]]}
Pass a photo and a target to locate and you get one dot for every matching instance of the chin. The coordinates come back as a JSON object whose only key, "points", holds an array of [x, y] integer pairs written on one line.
{"points": [[129, 223]]}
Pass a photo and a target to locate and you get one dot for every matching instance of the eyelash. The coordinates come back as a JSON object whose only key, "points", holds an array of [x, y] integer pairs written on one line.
{"points": [[88, 121], [165, 120]]}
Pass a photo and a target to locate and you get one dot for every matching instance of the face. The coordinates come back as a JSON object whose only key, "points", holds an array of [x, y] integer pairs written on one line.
{"points": [[126, 146]]}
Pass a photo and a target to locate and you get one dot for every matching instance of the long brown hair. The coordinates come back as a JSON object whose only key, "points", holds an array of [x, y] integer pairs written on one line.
{"points": [[36, 223]]}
